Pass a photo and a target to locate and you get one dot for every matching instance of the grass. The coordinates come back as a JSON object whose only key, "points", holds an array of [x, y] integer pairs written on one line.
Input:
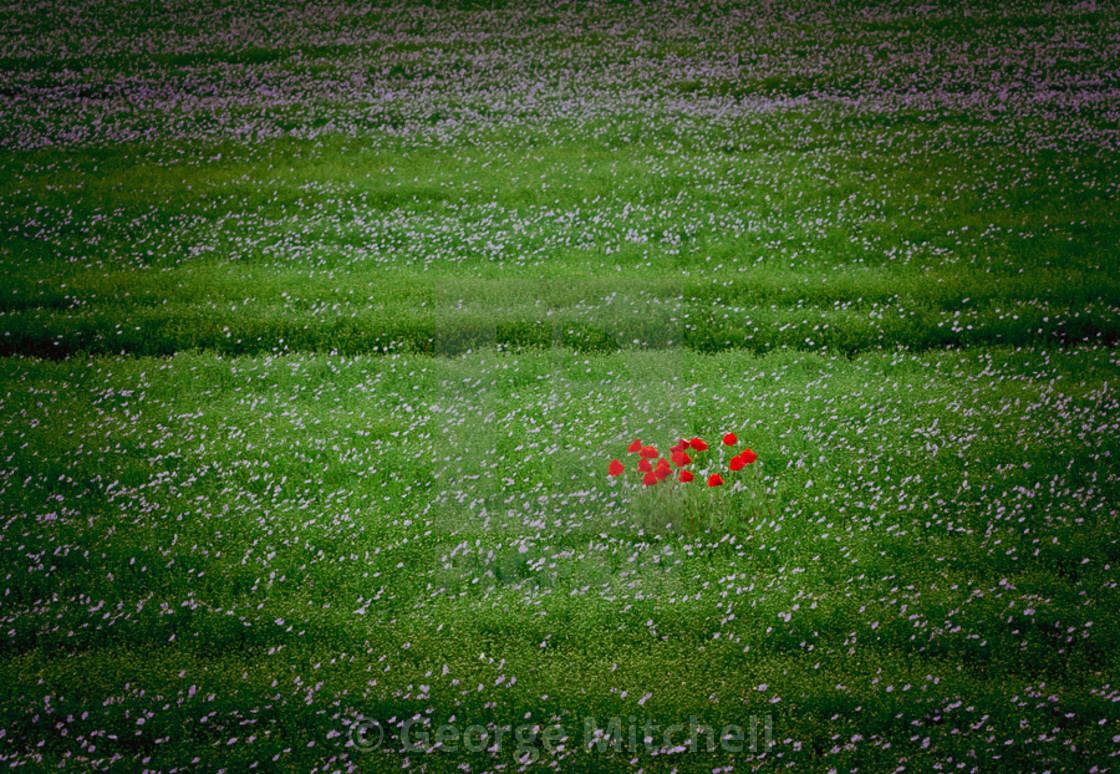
{"points": [[263, 518], [315, 350]]}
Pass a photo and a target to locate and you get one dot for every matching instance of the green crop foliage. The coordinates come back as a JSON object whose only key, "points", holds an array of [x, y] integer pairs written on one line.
{"points": [[319, 328]]}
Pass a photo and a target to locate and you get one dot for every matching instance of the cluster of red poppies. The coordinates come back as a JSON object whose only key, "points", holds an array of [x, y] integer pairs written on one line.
{"points": [[678, 456]]}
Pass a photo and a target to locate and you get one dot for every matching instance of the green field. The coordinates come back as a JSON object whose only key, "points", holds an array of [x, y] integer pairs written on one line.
{"points": [[320, 326]]}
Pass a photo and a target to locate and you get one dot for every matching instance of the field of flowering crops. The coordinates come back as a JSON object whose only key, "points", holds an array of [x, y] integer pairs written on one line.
{"points": [[322, 324]]}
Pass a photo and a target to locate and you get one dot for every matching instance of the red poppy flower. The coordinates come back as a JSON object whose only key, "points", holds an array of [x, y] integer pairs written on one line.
{"points": [[662, 473], [685, 476], [648, 451], [715, 480], [736, 463], [730, 439], [663, 463], [677, 448], [680, 459], [649, 479], [644, 466], [697, 444], [636, 446], [748, 456], [615, 468]]}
